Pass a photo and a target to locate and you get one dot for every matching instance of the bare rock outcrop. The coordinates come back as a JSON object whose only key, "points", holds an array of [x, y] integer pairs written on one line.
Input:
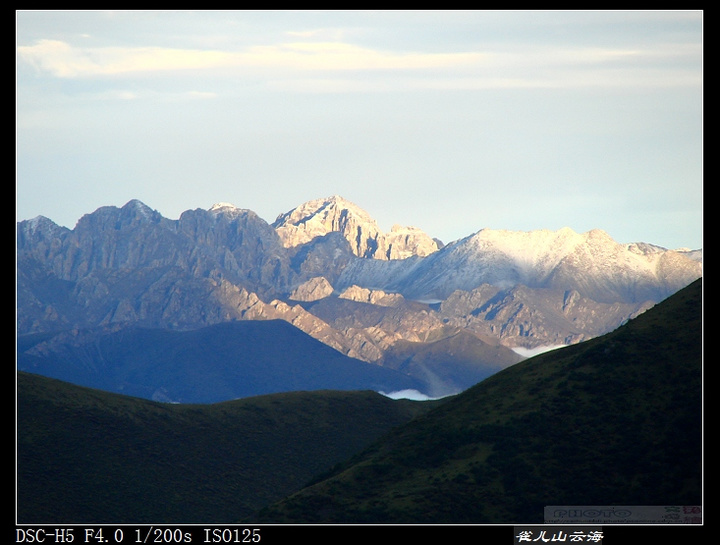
{"points": [[312, 290], [319, 217], [406, 241], [373, 297]]}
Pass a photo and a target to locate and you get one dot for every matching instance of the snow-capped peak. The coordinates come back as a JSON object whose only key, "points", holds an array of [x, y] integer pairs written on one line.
{"points": [[227, 210], [220, 206], [528, 250]]}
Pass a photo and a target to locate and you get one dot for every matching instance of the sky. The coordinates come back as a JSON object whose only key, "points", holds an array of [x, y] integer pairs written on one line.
{"points": [[449, 121]]}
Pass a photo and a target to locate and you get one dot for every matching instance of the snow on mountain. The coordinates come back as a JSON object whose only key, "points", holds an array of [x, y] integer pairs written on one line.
{"points": [[529, 256], [591, 263], [695, 255], [40, 225], [139, 207], [220, 206], [405, 260], [225, 208]]}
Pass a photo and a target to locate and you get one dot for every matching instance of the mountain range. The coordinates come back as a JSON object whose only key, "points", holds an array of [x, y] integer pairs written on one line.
{"points": [[444, 316], [613, 421]]}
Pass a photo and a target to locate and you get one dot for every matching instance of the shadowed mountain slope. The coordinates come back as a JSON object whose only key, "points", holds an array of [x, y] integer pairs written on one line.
{"points": [[616, 420], [207, 365]]}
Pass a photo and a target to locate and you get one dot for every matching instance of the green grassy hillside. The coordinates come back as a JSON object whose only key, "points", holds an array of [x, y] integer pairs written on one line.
{"points": [[87, 456], [613, 421]]}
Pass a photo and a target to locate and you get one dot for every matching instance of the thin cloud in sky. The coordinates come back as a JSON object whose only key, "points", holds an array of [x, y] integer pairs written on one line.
{"points": [[543, 66], [63, 60], [447, 120]]}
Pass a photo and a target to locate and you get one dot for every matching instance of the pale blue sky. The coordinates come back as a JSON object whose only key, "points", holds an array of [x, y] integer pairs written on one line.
{"points": [[448, 121]]}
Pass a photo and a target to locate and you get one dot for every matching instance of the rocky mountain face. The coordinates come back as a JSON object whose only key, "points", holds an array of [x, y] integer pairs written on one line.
{"points": [[337, 215], [326, 268]]}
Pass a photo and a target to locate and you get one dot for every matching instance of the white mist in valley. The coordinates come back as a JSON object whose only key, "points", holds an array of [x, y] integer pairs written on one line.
{"points": [[414, 395], [530, 352]]}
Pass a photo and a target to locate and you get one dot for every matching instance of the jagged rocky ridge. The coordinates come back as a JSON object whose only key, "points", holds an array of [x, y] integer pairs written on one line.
{"points": [[336, 215], [326, 268]]}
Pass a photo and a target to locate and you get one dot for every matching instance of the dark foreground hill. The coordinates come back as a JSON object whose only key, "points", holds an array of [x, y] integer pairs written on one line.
{"points": [[88, 456], [616, 420], [206, 365]]}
